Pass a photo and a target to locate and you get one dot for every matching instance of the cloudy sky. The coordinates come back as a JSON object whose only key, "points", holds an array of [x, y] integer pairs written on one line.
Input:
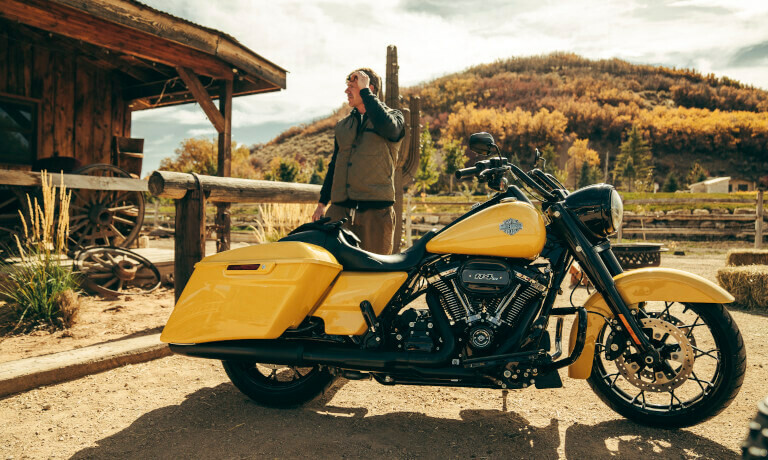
{"points": [[320, 41]]}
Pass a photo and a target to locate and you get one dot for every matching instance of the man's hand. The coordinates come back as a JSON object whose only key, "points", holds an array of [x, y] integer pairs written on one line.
{"points": [[362, 80], [319, 211]]}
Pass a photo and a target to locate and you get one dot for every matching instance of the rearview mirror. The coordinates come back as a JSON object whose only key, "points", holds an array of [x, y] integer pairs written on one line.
{"points": [[482, 143]]}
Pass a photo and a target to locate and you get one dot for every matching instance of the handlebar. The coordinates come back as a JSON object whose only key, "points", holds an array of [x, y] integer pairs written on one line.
{"points": [[495, 169], [466, 172]]}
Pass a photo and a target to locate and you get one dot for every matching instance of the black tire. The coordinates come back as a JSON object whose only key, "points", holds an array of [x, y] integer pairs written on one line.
{"points": [[278, 386], [756, 445], [701, 395]]}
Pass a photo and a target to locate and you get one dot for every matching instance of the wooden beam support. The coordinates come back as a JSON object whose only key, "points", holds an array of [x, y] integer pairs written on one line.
{"points": [[166, 184], [189, 245], [31, 178], [223, 221], [202, 98]]}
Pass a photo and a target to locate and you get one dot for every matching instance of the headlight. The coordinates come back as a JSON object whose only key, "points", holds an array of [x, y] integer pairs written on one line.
{"points": [[598, 207], [617, 211]]}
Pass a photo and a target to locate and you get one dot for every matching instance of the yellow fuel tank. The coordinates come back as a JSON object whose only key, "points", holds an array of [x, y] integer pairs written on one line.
{"points": [[508, 229]]}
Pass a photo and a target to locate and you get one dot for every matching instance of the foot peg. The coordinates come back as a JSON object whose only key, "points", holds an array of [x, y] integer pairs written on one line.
{"points": [[373, 338], [370, 317]]}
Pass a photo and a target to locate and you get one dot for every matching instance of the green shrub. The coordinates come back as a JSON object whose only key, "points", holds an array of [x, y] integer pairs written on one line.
{"points": [[39, 291], [738, 257], [747, 283]]}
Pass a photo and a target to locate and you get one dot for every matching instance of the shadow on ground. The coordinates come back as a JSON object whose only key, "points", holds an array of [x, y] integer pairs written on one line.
{"points": [[220, 422]]}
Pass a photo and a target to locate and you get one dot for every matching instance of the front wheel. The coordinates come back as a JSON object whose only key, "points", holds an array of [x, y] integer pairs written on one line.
{"points": [[702, 366], [276, 385]]}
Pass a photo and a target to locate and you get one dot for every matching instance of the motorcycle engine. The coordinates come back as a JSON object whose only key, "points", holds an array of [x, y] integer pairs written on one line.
{"points": [[487, 296]]}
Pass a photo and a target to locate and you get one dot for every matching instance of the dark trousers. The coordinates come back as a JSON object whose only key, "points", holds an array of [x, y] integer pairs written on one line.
{"points": [[374, 227]]}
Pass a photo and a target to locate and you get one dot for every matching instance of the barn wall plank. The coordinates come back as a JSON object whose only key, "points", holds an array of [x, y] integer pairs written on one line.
{"points": [[64, 103], [84, 109], [44, 72]]}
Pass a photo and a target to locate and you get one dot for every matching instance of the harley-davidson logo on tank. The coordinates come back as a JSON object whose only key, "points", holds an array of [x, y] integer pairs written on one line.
{"points": [[511, 226]]}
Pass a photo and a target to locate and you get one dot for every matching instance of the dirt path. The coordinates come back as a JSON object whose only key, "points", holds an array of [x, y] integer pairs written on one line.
{"points": [[180, 407]]}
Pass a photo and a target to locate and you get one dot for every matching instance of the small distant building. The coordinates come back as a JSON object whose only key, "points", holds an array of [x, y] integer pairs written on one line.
{"points": [[712, 185], [741, 185]]}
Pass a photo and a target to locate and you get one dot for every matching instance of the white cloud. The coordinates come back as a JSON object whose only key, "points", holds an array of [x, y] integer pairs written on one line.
{"points": [[197, 132], [319, 42]]}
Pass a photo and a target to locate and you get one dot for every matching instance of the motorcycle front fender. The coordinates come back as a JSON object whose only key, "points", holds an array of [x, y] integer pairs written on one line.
{"points": [[642, 285]]}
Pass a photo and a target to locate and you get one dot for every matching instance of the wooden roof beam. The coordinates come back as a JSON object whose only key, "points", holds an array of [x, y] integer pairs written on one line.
{"points": [[202, 97], [140, 101], [80, 25], [140, 17]]}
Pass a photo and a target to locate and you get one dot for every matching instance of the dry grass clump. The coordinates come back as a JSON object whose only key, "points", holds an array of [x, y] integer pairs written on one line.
{"points": [[747, 283], [738, 257], [277, 219], [40, 291]]}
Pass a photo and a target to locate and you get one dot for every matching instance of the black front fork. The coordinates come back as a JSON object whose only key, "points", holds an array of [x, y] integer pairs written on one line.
{"points": [[601, 266]]}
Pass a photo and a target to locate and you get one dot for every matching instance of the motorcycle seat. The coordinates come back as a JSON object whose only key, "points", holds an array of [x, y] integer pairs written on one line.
{"points": [[355, 259]]}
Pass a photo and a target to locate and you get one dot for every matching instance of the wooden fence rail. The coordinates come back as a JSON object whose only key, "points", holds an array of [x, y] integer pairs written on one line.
{"points": [[191, 191], [757, 217], [72, 181]]}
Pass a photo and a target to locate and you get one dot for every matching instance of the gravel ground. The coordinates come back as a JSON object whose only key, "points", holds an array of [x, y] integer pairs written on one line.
{"points": [[181, 407]]}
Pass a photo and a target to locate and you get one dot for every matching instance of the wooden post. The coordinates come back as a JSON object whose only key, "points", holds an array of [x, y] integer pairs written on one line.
{"points": [[408, 222], [759, 221], [157, 211], [223, 221], [392, 94], [392, 99], [189, 239]]}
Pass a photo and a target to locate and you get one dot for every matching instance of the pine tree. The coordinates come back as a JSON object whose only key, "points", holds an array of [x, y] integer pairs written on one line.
{"points": [[588, 175], [670, 183], [579, 154], [640, 173], [318, 175], [427, 173], [549, 155], [454, 159], [696, 174], [283, 170]]}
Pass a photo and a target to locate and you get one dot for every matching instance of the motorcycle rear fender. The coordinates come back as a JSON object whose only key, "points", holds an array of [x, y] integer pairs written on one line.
{"points": [[642, 285]]}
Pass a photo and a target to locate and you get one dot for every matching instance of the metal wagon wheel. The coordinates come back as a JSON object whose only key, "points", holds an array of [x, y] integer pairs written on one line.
{"points": [[104, 217], [111, 271]]}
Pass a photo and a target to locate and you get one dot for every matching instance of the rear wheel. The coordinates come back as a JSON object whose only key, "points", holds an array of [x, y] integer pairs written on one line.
{"points": [[277, 385], [701, 370]]}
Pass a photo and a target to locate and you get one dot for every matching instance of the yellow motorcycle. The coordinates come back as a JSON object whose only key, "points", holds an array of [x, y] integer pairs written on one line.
{"points": [[287, 318]]}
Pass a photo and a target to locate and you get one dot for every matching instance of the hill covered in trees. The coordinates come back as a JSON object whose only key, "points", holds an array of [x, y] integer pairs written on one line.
{"points": [[581, 111]]}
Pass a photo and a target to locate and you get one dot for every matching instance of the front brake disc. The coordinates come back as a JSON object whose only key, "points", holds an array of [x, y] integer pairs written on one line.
{"points": [[678, 359]]}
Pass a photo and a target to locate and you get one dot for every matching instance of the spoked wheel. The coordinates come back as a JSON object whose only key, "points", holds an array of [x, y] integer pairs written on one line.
{"points": [[115, 271], [104, 217], [278, 385], [702, 366]]}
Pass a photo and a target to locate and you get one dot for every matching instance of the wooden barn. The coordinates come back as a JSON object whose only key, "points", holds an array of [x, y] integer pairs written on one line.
{"points": [[72, 72]]}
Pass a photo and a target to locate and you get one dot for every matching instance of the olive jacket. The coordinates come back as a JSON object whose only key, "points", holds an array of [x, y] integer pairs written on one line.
{"points": [[361, 172]]}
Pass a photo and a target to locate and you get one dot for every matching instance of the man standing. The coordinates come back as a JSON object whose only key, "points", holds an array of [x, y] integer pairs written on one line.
{"points": [[360, 183]]}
